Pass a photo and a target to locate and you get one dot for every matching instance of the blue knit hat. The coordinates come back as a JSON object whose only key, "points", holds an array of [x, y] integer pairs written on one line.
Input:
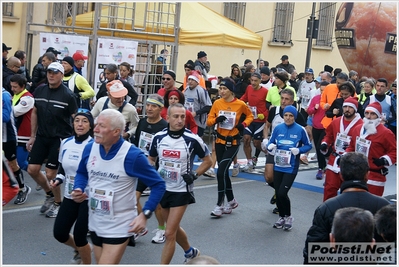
{"points": [[291, 109]]}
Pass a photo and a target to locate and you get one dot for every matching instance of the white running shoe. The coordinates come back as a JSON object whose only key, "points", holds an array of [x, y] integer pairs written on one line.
{"points": [[217, 211], [248, 168], [236, 170], [159, 237], [210, 173]]}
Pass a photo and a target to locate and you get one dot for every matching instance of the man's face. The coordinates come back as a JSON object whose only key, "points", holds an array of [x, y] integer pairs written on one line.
{"points": [[255, 81], [168, 82], [192, 83], [176, 118], [278, 82], [5, 54], [340, 81], [23, 60], [264, 77], [67, 67], [54, 78], [203, 59], [103, 132], [187, 71], [117, 101], [15, 67], [261, 64], [79, 63], [393, 88], [381, 88], [153, 111], [16, 88], [348, 111], [309, 77], [325, 78], [110, 76], [46, 62], [370, 115], [286, 100]]}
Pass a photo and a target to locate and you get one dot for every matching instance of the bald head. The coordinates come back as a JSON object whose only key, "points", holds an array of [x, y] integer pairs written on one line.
{"points": [[14, 64]]}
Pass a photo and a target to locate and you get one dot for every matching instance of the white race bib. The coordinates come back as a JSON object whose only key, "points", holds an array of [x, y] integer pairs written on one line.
{"points": [[282, 158]]}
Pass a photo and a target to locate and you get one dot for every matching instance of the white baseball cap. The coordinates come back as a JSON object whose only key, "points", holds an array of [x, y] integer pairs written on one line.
{"points": [[56, 67]]}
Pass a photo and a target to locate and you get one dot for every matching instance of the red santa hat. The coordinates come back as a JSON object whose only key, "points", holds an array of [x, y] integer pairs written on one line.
{"points": [[351, 102], [375, 107]]}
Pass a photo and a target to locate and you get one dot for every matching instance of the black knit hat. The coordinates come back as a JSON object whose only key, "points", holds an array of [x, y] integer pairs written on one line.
{"points": [[171, 73], [228, 83], [69, 60], [190, 64]]}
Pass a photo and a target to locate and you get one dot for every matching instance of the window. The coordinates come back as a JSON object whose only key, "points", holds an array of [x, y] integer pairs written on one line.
{"points": [[8, 9], [282, 30], [61, 11], [326, 24], [235, 12]]}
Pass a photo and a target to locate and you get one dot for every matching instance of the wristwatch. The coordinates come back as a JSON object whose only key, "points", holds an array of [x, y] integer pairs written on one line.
{"points": [[147, 213]]}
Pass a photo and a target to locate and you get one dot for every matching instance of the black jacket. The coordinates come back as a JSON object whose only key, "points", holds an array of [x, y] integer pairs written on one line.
{"points": [[130, 92], [324, 214], [337, 103], [39, 76], [7, 74]]}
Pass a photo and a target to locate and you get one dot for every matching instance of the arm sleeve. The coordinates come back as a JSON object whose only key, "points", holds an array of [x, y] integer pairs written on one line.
{"points": [[248, 113], [7, 107], [84, 87], [323, 99], [329, 112], [136, 165], [25, 104], [311, 108], [212, 114], [82, 176]]}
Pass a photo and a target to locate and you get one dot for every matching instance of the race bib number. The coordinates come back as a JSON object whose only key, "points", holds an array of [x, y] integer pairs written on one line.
{"points": [[70, 182], [189, 105], [363, 146], [341, 142], [282, 158], [229, 123], [145, 142], [169, 171], [101, 202], [254, 111]]}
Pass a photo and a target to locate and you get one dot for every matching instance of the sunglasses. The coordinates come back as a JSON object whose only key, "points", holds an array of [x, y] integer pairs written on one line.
{"points": [[168, 79], [83, 110]]}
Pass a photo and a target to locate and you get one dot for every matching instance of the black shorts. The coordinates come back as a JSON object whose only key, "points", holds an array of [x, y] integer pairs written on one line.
{"points": [[176, 199], [269, 159], [255, 129], [10, 150], [140, 186], [99, 241], [45, 148]]}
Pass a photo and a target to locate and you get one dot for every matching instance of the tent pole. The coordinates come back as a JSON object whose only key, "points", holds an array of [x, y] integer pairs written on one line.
{"points": [[177, 32], [93, 45]]}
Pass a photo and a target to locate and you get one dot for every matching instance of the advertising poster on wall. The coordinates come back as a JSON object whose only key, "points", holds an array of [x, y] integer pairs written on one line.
{"points": [[66, 44], [113, 51]]}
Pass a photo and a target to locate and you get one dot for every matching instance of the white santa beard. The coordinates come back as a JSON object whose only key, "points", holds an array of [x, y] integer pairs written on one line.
{"points": [[371, 125]]}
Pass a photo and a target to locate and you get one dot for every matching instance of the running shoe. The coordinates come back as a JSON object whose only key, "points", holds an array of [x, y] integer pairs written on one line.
{"points": [[319, 175], [280, 223], [210, 173], [22, 195], [254, 160], [146, 192], [142, 233], [236, 170], [48, 202], [159, 237], [230, 206], [288, 223], [248, 168], [304, 159], [275, 210], [76, 258], [53, 211], [273, 199], [217, 211], [189, 256]]}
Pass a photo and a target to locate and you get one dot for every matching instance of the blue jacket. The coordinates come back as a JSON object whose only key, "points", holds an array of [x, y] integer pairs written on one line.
{"points": [[286, 137]]}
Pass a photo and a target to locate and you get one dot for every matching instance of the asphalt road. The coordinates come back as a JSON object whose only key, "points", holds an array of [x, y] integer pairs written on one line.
{"points": [[244, 237]]}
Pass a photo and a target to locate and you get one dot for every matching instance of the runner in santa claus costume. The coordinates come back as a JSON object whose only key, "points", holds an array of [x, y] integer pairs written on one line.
{"points": [[378, 143], [339, 134]]}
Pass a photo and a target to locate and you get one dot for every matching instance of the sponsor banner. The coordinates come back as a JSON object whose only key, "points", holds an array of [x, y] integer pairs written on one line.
{"points": [[66, 44], [351, 253], [113, 51]]}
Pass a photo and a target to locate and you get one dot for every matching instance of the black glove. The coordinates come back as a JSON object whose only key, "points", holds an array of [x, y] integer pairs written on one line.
{"points": [[221, 119], [338, 160], [380, 161], [323, 148], [240, 127], [189, 178]]}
